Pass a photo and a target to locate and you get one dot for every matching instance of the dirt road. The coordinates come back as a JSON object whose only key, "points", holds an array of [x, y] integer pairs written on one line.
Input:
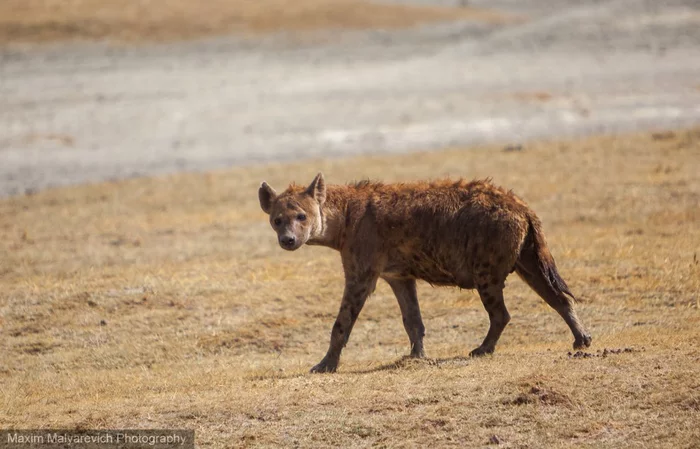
{"points": [[76, 113]]}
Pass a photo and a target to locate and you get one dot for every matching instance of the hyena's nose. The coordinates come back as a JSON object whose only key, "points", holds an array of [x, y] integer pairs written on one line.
{"points": [[287, 241]]}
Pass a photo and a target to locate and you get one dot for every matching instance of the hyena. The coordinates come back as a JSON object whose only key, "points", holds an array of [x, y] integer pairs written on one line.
{"points": [[453, 233]]}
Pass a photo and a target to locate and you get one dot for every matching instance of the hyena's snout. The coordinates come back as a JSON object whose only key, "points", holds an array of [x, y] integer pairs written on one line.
{"points": [[289, 242]]}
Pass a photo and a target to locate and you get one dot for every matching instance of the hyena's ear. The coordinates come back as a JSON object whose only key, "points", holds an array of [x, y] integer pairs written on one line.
{"points": [[266, 195], [317, 189]]}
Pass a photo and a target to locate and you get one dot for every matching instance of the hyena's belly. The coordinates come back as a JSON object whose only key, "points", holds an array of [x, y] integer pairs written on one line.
{"points": [[431, 267]]}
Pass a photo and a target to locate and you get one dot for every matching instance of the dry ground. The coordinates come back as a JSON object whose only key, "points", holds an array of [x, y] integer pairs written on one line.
{"points": [[165, 302], [137, 20]]}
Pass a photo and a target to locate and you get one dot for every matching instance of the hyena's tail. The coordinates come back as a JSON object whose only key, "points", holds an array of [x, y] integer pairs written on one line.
{"points": [[536, 267]]}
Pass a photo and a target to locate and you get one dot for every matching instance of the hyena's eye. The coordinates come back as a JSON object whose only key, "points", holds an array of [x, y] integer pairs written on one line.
{"points": [[278, 221], [301, 217]]}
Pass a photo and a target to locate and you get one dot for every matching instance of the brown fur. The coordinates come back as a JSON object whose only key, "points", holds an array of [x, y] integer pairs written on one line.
{"points": [[459, 233]]}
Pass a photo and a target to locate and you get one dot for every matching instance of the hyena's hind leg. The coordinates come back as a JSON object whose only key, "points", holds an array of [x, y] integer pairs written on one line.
{"points": [[492, 297], [405, 291], [547, 283]]}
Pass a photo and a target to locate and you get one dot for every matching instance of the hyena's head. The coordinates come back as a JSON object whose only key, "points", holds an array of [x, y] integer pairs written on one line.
{"points": [[295, 214]]}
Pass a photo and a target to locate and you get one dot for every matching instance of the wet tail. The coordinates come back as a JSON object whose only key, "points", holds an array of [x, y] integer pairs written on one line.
{"points": [[536, 267]]}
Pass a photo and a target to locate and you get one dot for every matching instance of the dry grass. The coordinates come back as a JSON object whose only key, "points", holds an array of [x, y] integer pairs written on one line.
{"points": [[165, 302], [158, 20]]}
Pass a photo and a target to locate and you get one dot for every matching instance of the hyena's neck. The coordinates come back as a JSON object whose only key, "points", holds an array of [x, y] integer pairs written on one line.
{"points": [[333, 212]]}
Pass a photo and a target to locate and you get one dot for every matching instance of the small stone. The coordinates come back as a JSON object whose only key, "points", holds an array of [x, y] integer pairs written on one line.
{"points": [[512, 148], [495, 439]]}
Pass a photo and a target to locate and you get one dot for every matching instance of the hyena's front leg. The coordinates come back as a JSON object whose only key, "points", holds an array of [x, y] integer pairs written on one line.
{"points": [[405, 291], [357, 289]]}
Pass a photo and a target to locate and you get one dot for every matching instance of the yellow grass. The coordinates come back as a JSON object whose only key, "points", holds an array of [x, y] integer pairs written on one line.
{"points": [[137, 20], [166, 302]]}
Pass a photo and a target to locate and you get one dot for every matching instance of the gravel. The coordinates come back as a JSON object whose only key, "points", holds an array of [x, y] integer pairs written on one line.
{"points": [[76, 113]]}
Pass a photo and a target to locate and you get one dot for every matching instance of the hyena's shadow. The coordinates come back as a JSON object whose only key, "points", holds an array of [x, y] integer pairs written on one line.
{"points": [[408, 362], [402, 363]]}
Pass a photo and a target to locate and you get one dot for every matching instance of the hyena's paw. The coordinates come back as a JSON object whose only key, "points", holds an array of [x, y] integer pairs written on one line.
{"points": [[481, 351], [583, 342], [417, 353], [325, 366]]}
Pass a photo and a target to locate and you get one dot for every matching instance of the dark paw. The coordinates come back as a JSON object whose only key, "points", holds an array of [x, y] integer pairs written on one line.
{"points": [[325, 366], [417, 353], [481, 351], [583, 342]]}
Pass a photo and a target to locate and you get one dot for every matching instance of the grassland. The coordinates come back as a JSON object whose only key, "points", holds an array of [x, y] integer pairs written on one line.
{"points": [[165, 302], [162, 20]]}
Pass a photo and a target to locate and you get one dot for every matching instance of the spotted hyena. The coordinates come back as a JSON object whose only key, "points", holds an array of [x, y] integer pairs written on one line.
{"points": [[458, 233]]}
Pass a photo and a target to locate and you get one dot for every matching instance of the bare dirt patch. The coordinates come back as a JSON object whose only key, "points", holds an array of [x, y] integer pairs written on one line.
{"points": [[533, 96], [51, 20], [207, 324]]}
